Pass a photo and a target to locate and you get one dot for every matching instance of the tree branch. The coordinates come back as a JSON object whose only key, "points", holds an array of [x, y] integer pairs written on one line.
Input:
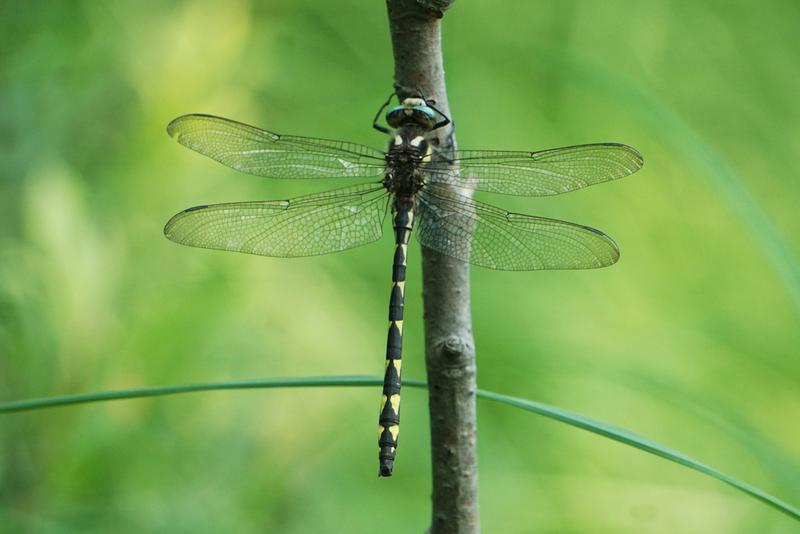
{"points": [[415, 27]]}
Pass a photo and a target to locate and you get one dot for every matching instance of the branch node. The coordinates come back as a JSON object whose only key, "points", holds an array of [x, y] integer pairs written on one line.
{"points": [[454, 348], [435, 8]]}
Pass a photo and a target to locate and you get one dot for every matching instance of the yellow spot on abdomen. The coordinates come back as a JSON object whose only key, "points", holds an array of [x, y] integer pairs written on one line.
{"points": [[395, 400], [394, 430], [402, 286]]}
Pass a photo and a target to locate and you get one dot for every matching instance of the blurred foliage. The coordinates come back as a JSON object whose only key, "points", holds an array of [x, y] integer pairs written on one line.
{"points": [[691, 340]]}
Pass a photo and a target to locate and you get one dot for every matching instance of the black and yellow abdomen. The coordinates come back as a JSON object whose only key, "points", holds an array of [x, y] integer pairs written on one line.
{"points": [[389, 420]]}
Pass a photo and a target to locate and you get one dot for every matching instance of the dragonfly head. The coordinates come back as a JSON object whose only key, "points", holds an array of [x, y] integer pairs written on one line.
{"points": [[412, 111]]}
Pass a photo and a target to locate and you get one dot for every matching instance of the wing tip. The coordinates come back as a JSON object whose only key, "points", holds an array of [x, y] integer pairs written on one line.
{"points": [[612, 256], [638, 158], [635, 156], [607, 252], [170, 226], [174, 126]]}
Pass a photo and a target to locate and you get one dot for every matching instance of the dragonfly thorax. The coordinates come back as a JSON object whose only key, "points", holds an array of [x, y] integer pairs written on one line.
{"points": [[408, 150]]}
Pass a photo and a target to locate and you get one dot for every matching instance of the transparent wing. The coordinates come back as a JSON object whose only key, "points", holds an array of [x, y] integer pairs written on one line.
{"points": [[304, 226], [256, 151], [547, 172], [487, 236]]}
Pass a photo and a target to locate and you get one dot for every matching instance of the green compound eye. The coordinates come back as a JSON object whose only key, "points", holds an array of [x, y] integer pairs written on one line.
{"points": [[399, 115], [427, 111], [395, 114]]}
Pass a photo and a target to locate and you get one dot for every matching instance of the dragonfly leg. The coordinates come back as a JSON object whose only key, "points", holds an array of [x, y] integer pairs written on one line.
{"points": [[375, 124], [445, 119]]}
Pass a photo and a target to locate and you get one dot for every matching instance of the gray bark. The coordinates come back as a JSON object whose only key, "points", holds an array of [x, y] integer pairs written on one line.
{"points": [[449, 348]]}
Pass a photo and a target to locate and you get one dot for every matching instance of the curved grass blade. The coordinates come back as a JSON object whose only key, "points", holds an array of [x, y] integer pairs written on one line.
{"points": [[564, 416], [629, 438], [157, 391]]}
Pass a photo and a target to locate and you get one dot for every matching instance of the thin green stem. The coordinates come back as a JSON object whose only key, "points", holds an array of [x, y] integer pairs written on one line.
{"points": [[137, 393], [564, 416]]}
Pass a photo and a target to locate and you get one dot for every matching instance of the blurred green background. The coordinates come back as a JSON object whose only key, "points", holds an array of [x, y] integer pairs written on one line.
{"points": [[691, 339]]}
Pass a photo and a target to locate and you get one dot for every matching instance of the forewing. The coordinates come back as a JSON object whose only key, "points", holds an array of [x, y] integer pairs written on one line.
{"points": [[304, 226], [484, 235], [547, 172], [256, 151]]}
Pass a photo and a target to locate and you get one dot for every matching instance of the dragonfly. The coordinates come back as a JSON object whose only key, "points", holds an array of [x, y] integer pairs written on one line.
{"points": [[427, 188]]}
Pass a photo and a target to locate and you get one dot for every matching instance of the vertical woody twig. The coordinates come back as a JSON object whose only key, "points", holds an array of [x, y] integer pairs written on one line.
{"points": [[450, 353]]}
